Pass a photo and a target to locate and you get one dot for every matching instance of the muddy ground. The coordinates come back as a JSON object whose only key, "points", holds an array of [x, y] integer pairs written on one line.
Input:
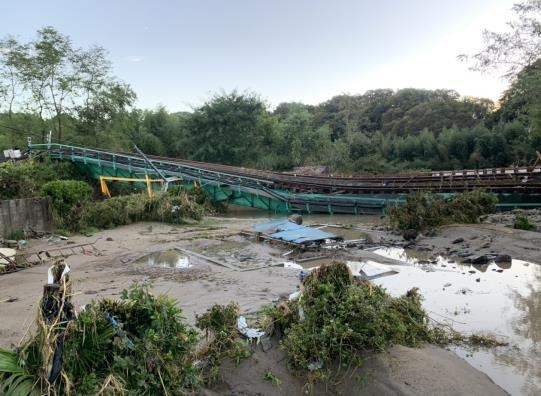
{"points": [[244, 271]]}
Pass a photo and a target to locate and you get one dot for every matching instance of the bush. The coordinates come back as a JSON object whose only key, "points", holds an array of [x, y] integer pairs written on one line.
{"points": [[67, 193], [522, 222], [24, 179], [425, 210]]}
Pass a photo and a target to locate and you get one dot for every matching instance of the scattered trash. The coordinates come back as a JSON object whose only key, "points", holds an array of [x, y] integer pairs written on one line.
{"points": [[248, 332], [292, 265], [294, 296]]}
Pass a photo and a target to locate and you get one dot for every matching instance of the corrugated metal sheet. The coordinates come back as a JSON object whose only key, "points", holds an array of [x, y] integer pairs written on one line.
{"points": [[291, 232]]}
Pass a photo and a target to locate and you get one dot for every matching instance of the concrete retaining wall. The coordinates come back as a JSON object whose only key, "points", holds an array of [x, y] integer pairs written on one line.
{"points": [[23, 214]]}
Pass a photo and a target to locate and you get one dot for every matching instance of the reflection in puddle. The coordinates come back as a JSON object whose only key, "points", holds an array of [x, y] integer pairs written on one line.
{"points": [[165, 259], [502, 299]]}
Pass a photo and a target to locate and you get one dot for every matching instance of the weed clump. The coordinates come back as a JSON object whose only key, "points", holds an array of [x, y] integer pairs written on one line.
{"points": [[425, 210], [522, 222]]}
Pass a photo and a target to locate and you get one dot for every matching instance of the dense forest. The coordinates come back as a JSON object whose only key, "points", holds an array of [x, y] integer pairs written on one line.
{"points": [[49, 84]]}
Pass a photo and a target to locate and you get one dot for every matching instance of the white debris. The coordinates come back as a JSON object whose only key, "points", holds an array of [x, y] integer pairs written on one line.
{"points": [[249, 332], [292, 265]]}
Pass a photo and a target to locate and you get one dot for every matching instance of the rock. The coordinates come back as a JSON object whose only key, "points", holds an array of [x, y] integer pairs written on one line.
{"points": [[502, 258], [447, 285], [485, 245], [483, 259], [295, 218], [410, 235], [109, 239], [478, 280], [458, 240]]}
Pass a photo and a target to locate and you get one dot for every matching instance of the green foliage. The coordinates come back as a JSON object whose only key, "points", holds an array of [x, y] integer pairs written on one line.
{"points": [[342, 317], [24, 179], [522, 222], [14, 378], [269, 376], [136, 345], [67, 193], [163, 207], [425, 210], [230, 129], [220, 326]]}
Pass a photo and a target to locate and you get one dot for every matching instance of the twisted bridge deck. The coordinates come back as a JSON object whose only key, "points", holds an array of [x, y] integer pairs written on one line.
{"points": [[285, 192]]}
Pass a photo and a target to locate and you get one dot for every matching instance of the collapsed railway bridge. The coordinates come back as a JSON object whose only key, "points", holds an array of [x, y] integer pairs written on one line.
{"points": [[284, 192]]}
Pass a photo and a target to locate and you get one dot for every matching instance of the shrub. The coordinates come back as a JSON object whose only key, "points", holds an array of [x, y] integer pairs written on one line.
{"points": [[67, 193], [424, 210], [69, 197], [522, 222], [24, 179]]}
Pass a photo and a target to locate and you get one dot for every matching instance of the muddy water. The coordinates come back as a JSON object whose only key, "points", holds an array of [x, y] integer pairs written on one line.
{"points": [[503, 300], [165, 259]]}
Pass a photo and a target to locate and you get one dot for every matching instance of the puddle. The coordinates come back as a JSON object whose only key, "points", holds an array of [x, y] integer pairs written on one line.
{"points": [[499, 299], [166, 259]]}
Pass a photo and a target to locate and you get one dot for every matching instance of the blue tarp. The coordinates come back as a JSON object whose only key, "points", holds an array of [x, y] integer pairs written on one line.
{"points": [[288, 231]]}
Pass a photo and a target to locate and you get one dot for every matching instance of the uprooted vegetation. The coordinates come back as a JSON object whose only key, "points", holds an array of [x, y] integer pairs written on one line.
{"points": [[138, 344], [425, 210], [337, 318], [219, 324]]}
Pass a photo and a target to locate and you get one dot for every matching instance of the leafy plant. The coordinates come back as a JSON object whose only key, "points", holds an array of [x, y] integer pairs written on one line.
{"points": [[424, 210], [220, 326], [522, 222], [14, 378], [269, 376]]}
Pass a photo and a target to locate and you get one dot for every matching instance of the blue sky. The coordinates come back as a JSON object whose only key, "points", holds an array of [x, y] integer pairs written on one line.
{"points": [[177, 53]]}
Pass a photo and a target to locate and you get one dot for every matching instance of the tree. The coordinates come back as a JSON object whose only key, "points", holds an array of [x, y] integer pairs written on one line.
{"points": [[58, 81], [516, 49], [231, 128]]}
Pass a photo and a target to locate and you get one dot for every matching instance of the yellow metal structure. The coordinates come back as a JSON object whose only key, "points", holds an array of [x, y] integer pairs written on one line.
{"points": [[105, 190]]}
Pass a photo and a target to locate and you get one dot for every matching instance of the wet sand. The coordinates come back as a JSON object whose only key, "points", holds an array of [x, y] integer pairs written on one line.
{"points": [[202, 284]]}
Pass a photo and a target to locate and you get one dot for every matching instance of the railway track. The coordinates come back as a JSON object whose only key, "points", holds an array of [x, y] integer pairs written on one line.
{"points": [[523, 180]]}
